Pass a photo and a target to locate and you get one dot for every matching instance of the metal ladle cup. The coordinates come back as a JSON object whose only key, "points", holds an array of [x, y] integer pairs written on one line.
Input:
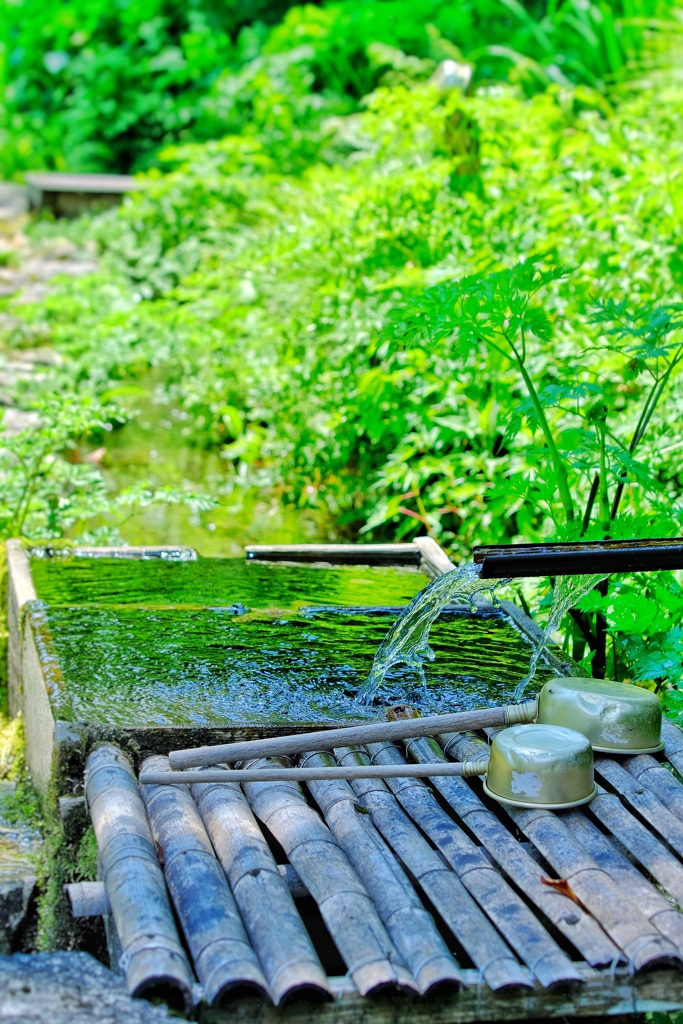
{"points": [[545, 766], [617, 718]]}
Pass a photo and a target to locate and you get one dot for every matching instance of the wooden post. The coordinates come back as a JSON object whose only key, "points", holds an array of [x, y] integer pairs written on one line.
{"points": [[345, 905], [223, 957], [410, 926], [152, 956], [277, 933]]}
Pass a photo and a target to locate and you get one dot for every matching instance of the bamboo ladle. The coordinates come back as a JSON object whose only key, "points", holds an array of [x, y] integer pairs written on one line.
{"points": [[328, 739]]}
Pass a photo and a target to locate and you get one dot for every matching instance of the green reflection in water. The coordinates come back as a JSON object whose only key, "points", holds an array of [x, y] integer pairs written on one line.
{"points": [[221, 582], [140, 667]]}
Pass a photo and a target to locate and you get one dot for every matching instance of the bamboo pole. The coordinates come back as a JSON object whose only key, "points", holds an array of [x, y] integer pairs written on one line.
{"points": [[277, 933], [223, 957], [310, 773], [344, 903], [617, 913], [496, 962], [88, 899], [349, 736], [508, 912], [152, 957], [514, 860], [410, 926]]}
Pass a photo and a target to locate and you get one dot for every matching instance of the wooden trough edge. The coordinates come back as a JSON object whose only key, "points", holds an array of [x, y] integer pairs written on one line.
{"points": [[658, 991]]}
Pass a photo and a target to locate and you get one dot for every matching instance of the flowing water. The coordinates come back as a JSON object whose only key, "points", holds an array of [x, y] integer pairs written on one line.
{"points": [[135, 667], [147, 643], [567, 592], [407, 642]]}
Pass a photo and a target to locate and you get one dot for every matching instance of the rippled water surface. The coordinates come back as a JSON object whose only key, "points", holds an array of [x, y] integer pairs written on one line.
{"points": [[139, 643], [143, 667]]}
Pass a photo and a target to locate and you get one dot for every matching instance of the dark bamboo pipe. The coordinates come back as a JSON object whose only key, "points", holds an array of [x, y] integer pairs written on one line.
{"points": [[514, 561]]}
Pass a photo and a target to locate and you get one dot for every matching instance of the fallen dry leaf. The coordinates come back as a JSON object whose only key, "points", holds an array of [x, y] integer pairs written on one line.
{"points": [[563, 886]]}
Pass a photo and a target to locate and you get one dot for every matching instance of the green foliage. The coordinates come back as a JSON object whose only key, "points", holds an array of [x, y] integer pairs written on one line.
{"points": [[86, 861], [422, 309], [48, 490], [101, 86]]}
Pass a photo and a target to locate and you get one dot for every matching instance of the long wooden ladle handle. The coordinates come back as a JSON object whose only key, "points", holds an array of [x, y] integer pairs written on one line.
{"points": [[315, 774], [374, 732]]}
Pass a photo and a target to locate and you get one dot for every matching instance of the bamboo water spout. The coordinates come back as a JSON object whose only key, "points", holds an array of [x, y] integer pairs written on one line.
{"points": [[516, 561]]}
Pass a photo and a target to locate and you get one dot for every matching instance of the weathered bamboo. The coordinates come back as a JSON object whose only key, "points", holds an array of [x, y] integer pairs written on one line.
{"points": [[373, 732], [153, 959], [514, 860], [222, 955], [666, 918], [410, 926], [647, 849], [277, 933], [643, 801], [673, 744], [309, 773], [498, 966], [508, 912], [620, 916], [291, 877], [655, 777], [434, 558], [338, 554], [344, 902], [88, 899]]}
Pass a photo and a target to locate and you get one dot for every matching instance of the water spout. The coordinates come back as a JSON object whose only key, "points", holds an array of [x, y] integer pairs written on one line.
{"points": [[567, 592]]}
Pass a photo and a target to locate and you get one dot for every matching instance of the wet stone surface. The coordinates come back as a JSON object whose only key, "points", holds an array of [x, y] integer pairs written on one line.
{"points": [[19, 849], [68, 988]]}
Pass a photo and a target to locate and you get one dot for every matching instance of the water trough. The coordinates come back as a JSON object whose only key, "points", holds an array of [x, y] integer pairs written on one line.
{"points": [[439, 903], [157, 649]]}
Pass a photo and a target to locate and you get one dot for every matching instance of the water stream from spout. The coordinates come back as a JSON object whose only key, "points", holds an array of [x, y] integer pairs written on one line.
{"points": [[407, 642], [568, 590]]}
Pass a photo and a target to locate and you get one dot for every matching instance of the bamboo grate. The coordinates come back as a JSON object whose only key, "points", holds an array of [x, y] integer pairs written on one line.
{"points": [[303, 901]]}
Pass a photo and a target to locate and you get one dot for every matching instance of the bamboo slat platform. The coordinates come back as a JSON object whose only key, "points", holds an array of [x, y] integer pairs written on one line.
{"points": [[302, 902]]}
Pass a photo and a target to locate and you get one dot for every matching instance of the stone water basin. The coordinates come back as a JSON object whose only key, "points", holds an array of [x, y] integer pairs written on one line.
{"points": [[167, 649]]}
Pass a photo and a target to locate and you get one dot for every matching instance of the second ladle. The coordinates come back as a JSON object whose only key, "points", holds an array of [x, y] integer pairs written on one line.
{"points": [[529, 766]]}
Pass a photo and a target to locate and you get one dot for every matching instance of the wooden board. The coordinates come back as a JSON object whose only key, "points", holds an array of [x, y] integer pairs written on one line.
{"points": [[660, 991]]}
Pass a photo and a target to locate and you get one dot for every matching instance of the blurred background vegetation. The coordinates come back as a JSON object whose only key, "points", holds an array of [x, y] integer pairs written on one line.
{"points": [[102, 86], [395, 266]]}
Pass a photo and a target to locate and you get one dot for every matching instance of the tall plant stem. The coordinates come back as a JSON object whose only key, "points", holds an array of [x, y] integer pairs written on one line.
{"points": [[558, 464], [651, 402]]}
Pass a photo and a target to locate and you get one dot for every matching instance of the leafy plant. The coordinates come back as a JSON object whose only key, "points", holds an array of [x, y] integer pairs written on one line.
{"points": [[104, 87], [49, 492]]}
